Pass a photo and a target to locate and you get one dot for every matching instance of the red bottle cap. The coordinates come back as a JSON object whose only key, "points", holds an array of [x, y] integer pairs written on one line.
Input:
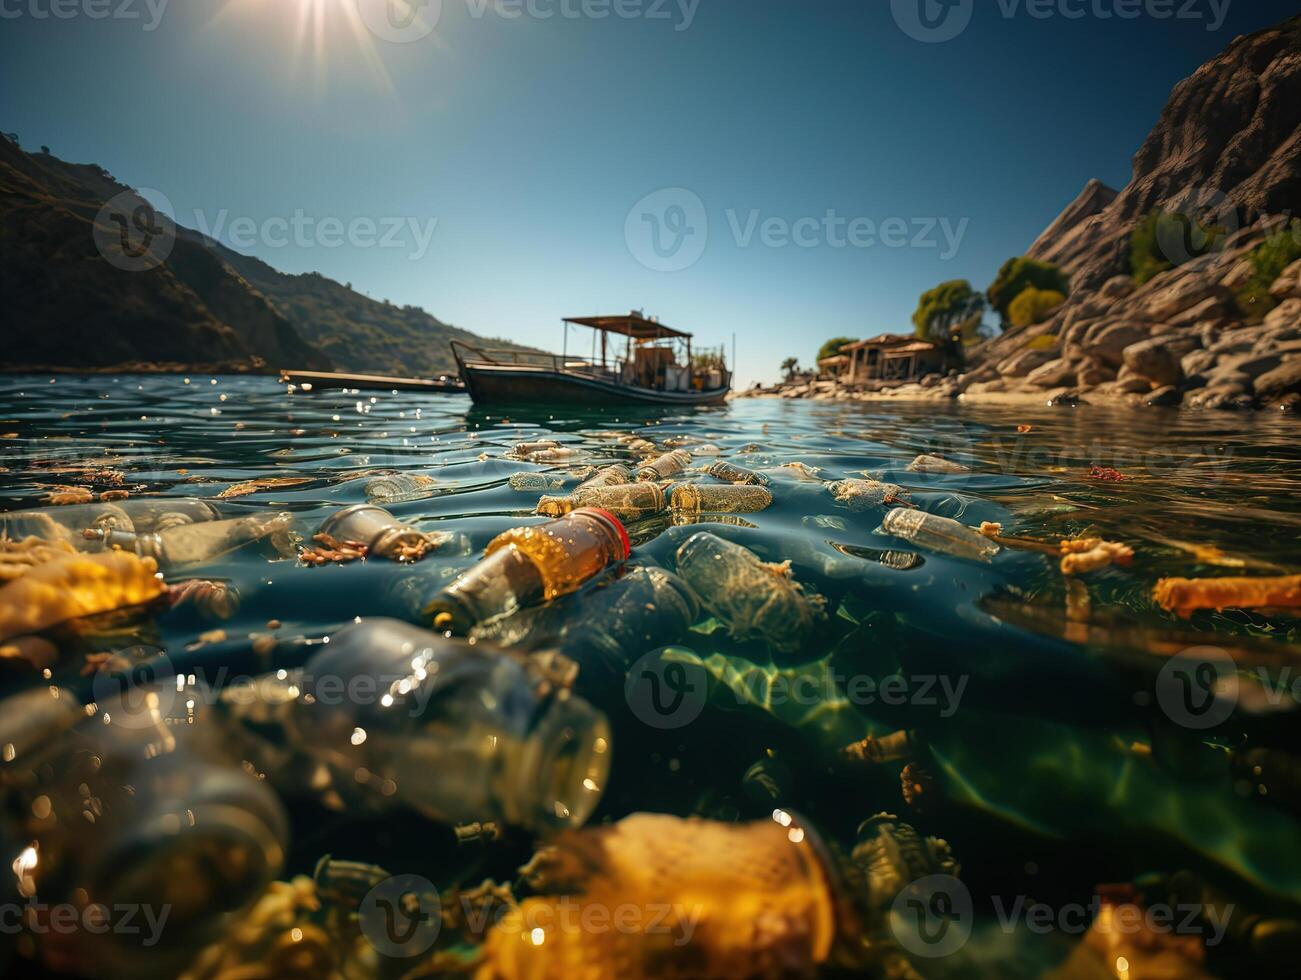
{"points": [[618, 526]]}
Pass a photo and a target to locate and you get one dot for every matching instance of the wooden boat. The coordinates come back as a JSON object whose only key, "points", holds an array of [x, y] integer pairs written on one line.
{"points": [[322, 380], [656, 368]]}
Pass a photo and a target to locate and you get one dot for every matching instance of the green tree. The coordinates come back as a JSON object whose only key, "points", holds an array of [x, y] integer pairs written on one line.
{"points": [[832, 347], [948, 308], [790, 367], [1019, 274], [1034, 306]]}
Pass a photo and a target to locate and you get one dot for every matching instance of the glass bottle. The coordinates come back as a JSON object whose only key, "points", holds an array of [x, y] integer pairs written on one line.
{"points": [[629, 502], [136, 805], [747, 595], [610, 476], [397, 487], [942, 534], [458, 730], [533, 482], [67, 524], [699, 498], [731, 473], [190, 544], [382, 533], [664, 467], [527, 565]]}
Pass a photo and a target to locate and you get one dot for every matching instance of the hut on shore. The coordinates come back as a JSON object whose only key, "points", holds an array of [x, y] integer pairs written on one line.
{"points": [[892, 357]]}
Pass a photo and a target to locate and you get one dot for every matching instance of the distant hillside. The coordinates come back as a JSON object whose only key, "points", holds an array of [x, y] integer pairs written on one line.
{"points": [[206, 307]]}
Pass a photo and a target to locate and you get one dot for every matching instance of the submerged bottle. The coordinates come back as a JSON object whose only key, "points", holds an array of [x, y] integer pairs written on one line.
{"points": [[628, 502], [664, 467], [610, 476], [862, 494], [747, 595], [397, 487], [67, 524], [160, 513], [940, 534], [458, 730], [532, 482], [936, 464], [190, 544], [731, 473], [528, 565], [526, 449], [715, 499], [136, 806], [383, 534]]}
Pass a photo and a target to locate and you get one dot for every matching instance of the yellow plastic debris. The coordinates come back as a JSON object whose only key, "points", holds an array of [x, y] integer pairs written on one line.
{"points": [[73, 586]]}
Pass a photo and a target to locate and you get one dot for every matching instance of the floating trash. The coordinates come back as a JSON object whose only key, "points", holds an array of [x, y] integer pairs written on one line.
{"points": [[664, 467], [610, 476], [628, 502], [864, 494], [938, 534], [533, 482], [927, 463], [696, 498], [74, 586], [1184, 596], [192, 544], [731, 473], [377, 532], [397, 487]]}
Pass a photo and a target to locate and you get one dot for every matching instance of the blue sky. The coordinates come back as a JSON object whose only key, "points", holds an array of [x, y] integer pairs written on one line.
{"points": [[816, 149]]}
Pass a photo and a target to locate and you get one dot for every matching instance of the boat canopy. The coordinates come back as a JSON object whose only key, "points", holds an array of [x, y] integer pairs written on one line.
{"points": [[632, 325]]}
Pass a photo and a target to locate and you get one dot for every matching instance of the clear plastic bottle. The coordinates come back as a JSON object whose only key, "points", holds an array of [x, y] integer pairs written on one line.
{"points": [[698, 498], [940, 534], [610, 476], [67, 524], [398, 487], [457, 730], [749, 596], [629, 502], [527, 565], [731, 473], [525, 449], [382, 533], [936, 464], [160, 513], [190, 544], [137, 806], [664, 467], [533, 482], [865, 494]]}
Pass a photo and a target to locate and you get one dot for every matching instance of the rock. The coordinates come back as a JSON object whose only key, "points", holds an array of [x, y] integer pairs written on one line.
{"points": [[930, 381], [1093, 373], [1238, 341], [1185, 293], [1155, 360], [1286, 315], [1023, 362], [1065, 399], [1282, 380], [985, 387], [1288, 404], [1117, 287], [1161, 397], [1133, 385], [1108, 343], [1196, 362], [1238, 275], [1288, 285], [1231, 397], [1250, 365], [1054, 374], [1215, 307]]}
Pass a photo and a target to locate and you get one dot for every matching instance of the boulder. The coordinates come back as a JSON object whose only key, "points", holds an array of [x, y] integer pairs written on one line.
{"points": [[1182, 294], [1196, 362], [1238, 275], [1282, 380], [1108, 343], [1133, 385], [1163, 397], [1288, 285], [1023, 362], [1054, 374], [1157, 360], [1284, 316], [1215, 307], [1117, 287], [1251, 365], [1238, 341], [1093, 373]]}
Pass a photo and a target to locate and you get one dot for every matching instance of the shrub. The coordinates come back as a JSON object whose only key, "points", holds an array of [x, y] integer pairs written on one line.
{"points": [[1019, 274], [832, 347], [1268, 260], [1044, 342], [1162, 241], [1034, 306], [948, 307]]}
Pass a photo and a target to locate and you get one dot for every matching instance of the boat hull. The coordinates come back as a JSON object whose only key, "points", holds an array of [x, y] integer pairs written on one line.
{"points": [[501, 384], [372, 382]]}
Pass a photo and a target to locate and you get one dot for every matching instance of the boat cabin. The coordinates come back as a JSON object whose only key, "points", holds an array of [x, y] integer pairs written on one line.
{"points": [[648, 354]]}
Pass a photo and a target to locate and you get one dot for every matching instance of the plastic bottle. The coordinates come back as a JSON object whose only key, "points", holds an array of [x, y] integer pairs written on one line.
{"points": [[664, 467], [526, 449], [697, 498], [750, 597], [610, 476], [458, 730], [938, 534], [532, 482], [936, 464], [863, 494], [191, 544], [731, 473], [527, 565], [629, 502], [398, 487], [67, 524], [382, 533], [160, 513]]}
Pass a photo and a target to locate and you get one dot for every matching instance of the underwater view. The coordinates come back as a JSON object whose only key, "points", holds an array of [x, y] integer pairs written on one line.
{"points": [[380, 684]]}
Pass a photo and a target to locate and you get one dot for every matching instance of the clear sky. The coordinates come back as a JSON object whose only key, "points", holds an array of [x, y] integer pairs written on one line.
{"points": [[527, 134]]}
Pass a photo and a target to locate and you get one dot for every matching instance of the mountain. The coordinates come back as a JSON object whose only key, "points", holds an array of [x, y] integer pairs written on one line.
{"points": [[73, 295]]}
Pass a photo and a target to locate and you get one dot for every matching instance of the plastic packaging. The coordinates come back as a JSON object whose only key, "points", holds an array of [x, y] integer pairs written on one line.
{"points": [[936, 464], [72, 586], [611, 476], [628, 502], [865, 494], [191, 544], [664, 467], [458, 730], [940, 534], [731, 473], [527, 565], [706, 498], [398, 487], [1184, 596], [749, 596], [383, 534]]}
